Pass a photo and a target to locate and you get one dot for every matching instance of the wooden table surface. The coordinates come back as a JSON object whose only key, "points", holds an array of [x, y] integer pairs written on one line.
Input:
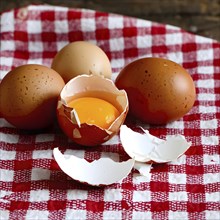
{"points": [[201, 17]]}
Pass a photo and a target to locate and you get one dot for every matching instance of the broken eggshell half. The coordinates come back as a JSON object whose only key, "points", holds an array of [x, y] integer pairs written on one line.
{"points": [[104, 171], [90, 86], [144, 147]]}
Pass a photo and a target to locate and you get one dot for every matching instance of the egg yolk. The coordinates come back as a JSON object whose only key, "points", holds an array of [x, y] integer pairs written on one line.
{"points": [[94, 111]]}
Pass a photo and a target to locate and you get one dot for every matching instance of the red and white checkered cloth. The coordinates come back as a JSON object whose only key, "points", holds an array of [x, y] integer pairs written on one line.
{"points": [[32, 185]]}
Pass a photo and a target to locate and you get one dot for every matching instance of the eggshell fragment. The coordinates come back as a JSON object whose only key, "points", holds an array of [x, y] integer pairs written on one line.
{"points": [[93, 86], [143, 168], [146, 147], [104, 171]]}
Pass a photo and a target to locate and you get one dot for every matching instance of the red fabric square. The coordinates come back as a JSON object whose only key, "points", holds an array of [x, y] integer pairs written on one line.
{"points": [[48, 15], [21, 35], [48, 36], [155, 30], [102, 34]]}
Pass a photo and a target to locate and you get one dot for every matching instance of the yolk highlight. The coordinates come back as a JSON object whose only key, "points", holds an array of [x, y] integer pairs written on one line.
{"points": [[94, 111]]}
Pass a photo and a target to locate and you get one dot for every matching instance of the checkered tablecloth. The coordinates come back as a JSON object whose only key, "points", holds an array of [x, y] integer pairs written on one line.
{"points": [[31, 183]]}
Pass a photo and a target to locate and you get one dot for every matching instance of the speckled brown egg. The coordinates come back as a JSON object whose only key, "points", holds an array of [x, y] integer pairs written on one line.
{"points": [[29, 96], [81, 57], [159, 90]]}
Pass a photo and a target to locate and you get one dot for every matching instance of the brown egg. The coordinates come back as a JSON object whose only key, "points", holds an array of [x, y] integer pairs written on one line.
{"points": [[81, 57], [159, 90], [29, 96]]}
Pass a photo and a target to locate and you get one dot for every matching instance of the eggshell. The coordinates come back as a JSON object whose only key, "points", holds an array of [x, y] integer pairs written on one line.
{"points": [[29, 95], [93, 86], [148, 148], [159, 90], [81, 57], [104, 171]]}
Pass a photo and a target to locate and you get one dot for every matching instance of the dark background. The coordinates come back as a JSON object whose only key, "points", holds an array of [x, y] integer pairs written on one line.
{"points": [[201, 17]]}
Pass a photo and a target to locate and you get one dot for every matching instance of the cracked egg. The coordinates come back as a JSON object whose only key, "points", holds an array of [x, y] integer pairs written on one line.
{"points": [[91, 109]]}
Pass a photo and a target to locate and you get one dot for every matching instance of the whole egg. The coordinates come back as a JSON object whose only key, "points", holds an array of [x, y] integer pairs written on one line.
{"points": [[81, 57], [28, 96], [159, 90]]}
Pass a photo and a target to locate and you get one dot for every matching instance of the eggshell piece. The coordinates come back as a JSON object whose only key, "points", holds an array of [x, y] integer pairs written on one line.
{"points": [[81, 57], [159, 90], [93, 86], [29, 95], [143, 168], [104, 171], [148, 148]]}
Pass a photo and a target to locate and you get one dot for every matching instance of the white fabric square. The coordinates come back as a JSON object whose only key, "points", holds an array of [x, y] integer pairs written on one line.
{"points": [[115, 22], [212, 197], [35, 46], [7, 155], [61, 44], [206, 96], [6, 175], [176, 57], [177, 178], [7, 22], [36, 61], [143, 23], [88, 24], [5, 61], [207, 109], [34, 26], [75, 214], [205, 69], [117, 63], [4, 214], [177, 215], [77, 153], [3, 122], [40, 174], [203, 40], [209, 124], [112, 141], [112, 215], [77, 194], [175, 124], [212, 215], [39, 195], [113, 195], [211, 159], [142, 215], [206, 83], [141, 196], [204, 55], [211, 178], [7, 45], [40, 154], [178, 196], [172, 39], [37, 214], [210, 140], [144, 41], [9, 138], [116, 44], [61, 26], [44, 137]]}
